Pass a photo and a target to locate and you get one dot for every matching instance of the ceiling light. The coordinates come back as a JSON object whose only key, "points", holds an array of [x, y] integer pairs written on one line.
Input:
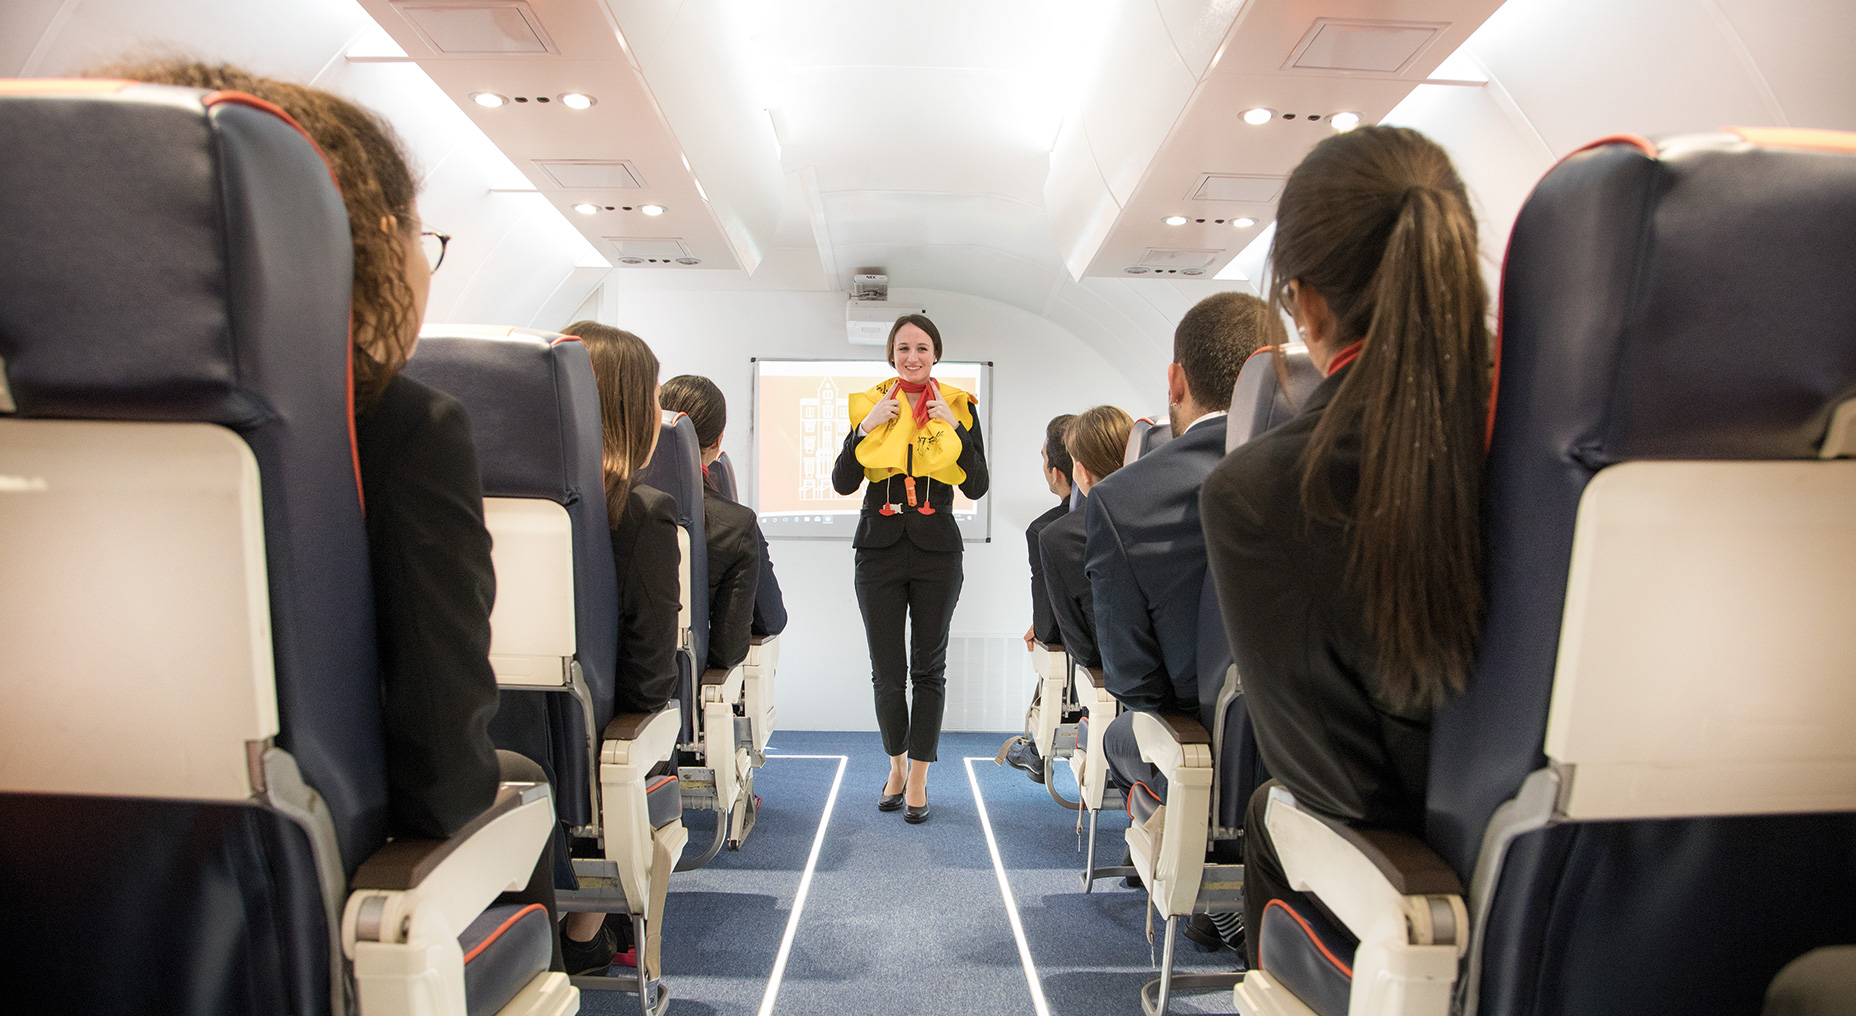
{"points": [[651, 209], [577, 100], [1174, 220], [488, 100], [1244, 222], [1259, 115], [585, 208], [1344, 122]]}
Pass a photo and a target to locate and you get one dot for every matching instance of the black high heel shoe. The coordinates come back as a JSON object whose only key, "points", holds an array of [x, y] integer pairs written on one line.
{"points": [[888, 802], [913, 815]]}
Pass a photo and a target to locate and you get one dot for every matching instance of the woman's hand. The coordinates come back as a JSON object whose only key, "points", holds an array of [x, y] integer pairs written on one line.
{"points": [[937, 410], [884, 411]]}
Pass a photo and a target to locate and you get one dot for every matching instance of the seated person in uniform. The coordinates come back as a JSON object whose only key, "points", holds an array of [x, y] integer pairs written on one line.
{"points": [[1097, 441], [1021, 752], [1145, 549], [732, 531]]}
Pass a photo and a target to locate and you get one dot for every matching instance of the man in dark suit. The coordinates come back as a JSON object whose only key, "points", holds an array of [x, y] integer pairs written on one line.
{"points": [[1022, 752], [1145, 549]]}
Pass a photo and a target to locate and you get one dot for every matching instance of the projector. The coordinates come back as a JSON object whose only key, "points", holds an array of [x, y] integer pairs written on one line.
{"points": [[867, 322]]}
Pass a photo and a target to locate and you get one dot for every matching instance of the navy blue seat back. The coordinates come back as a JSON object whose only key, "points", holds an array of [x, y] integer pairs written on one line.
{"points": [[722, 475], [1692, 303], [534, 415], [173, 255], [676, 469]]}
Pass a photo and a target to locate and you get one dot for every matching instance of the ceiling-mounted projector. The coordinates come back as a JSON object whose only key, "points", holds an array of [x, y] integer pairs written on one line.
{"points": [[867, 322]]}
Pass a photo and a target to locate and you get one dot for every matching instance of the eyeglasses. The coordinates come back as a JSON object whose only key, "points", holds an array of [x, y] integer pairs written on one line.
{"points": [[435, 244]]}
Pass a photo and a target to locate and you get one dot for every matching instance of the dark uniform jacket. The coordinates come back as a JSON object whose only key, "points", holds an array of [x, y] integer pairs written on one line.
{"points": [[1061, 547], [1146, 567], [734, 576], [434, 586], [929, 532], [644, 550], [1299, 638], [1043, 621]]}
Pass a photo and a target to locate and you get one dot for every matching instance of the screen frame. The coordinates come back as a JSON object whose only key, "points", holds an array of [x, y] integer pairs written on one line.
{"points": [[975, 530]]}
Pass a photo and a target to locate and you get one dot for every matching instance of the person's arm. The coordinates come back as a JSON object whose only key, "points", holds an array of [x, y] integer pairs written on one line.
{"points": [[1134, 670], [731, 602], [972, 459], [847, 474], [1043, 620], [434, 586], [645, 549], [769, 605], [1072, 608]]}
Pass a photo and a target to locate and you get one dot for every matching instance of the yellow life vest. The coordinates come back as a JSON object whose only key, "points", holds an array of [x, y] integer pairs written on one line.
{"points": [[884, 452]]}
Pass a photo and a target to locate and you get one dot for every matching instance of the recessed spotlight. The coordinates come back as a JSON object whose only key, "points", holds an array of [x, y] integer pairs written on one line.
{"points": [[586, 208], [689, 261], [1135, 271], [577, 100], [631, 261], [1259, 115], [651, 209], [1244, 222], [488, 100], [1192, 271], [1175, 220], [1344, 122]]}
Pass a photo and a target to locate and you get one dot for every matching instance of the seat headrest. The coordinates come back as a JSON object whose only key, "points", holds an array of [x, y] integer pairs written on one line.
{"points": [[676, 467], [527, 393], [1259, 401], [722, 471], [153, 236], [1144, 437]]}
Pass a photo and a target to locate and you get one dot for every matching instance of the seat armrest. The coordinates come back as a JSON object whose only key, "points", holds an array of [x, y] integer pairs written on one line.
{"points": [[641, 738], [720, 684], [1381, 884], [1173, 742], [1090, 677], [405, 863]]}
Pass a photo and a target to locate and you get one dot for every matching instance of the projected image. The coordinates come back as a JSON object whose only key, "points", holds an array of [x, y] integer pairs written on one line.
{"points": [[801, 417]]}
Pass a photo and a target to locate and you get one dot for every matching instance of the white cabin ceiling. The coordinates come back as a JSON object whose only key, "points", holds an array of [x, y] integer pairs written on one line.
{"points": [[1000, 150]]}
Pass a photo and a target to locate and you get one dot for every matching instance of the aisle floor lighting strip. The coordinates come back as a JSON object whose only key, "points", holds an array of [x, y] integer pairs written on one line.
{"points": [[1005, 890], [805, 887]]}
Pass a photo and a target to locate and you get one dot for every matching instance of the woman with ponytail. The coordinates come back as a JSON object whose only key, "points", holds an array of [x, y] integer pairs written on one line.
{"points": [[915, 440], [1346, 544]]}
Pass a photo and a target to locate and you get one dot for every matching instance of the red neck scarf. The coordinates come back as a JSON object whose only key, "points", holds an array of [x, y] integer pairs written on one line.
{"points": [[1345, 357], [921, 401]]}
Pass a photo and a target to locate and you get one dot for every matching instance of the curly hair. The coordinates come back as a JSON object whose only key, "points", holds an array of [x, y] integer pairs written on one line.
{"points": [[371, 170]]}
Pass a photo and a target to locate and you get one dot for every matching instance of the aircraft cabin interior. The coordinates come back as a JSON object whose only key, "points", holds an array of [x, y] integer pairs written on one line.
{"points": [[1047, 507]]}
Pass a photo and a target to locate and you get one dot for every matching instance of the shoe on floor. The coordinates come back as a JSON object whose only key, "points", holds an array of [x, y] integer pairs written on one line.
{"points": [[589, 959], [1024, 756], [1203, 930], [915, 816], [888, 802], [1130, 881]]}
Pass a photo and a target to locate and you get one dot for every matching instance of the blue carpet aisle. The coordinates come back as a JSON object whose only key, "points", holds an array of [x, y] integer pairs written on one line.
{"points": [[906, 919]]}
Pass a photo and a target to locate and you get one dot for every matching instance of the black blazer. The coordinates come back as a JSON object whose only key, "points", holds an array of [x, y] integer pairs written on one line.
{"points": [[1043, 621], [734, 576], [929, 532], [433, 589], [1062, 547], [1146, 567], [769, 604], [1299, 637], [644, 549]]}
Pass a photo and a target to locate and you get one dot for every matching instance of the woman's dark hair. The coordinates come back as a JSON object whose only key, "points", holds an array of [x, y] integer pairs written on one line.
{"points": [[1054, 452], [1098, 439], [920, 321], [698, 398], [1377, 222], [625, 372], [370, 168]]}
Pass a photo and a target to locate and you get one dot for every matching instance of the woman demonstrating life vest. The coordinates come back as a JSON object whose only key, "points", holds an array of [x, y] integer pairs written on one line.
{"points": [[915, 441]]}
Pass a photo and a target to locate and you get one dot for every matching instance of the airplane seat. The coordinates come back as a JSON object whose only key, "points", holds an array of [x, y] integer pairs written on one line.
{"points": [[717, 773], [1145, 436], [722, 474], [196, 770], [1652, 759], [1191, 857], [535, 417]]}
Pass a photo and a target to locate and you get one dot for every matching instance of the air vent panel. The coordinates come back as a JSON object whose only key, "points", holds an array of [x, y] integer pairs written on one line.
{"points": [[479, 29], [580, 174], [649, 248], [1237, 187], [1167, 257], [1346, 46]]}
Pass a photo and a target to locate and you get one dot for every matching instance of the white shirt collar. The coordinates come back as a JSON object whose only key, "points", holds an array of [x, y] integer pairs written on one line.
{"points": [[1213, 415]]}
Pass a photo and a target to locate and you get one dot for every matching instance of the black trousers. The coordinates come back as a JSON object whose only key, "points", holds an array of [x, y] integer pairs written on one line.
{"points": [[894, 583]]}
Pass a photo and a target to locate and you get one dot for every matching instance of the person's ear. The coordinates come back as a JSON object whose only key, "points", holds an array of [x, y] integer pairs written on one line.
{"points": [[1175, 384]]}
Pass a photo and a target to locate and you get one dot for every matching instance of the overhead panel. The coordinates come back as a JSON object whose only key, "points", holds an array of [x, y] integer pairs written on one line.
{"points": [[580, 174], [1211, 181], [479, 29]]}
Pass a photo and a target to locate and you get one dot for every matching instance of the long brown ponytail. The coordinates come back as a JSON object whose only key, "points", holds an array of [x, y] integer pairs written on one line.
{"points": [[1378, 223]]}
